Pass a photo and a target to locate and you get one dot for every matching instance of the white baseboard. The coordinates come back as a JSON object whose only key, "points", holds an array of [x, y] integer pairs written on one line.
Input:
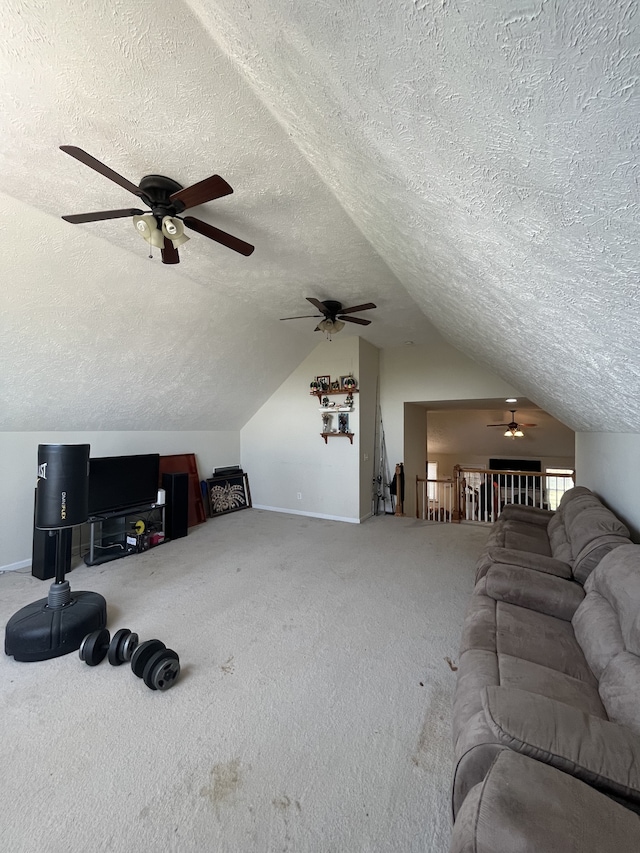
{"points": [[308, 514], [13, 567]]}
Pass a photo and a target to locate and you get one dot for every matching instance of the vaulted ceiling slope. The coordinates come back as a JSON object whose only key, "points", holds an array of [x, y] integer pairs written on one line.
{"points": [[474, 161]]}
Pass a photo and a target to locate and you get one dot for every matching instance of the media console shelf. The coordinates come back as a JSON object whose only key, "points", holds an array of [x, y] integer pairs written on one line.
{"points": [[117, 520]]}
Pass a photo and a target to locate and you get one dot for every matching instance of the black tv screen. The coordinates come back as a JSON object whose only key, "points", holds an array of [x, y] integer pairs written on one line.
{"points": [[119, 482]]}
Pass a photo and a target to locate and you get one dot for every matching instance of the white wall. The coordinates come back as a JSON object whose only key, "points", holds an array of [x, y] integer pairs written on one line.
{"points": [[368, 379], [414, 374], [18, 468], [415, 443], [609, 464], [284, 454]]}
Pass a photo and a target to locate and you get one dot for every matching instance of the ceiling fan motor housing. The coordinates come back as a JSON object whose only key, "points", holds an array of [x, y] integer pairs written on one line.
{"points": [[156, 191], [333, 307]]}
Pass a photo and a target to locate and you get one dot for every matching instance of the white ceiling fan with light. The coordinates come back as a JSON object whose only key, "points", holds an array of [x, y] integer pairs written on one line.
{"points": [[514, 429]]}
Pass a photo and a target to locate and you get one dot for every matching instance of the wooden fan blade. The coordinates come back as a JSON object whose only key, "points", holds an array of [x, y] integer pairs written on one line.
{"points": [[207, 190], [169, 253], [90, 161], [498, 425], [219, 236], [528, 426], [77, 218], [355, 308], [302, 317], [317, 304], [355, 320]]}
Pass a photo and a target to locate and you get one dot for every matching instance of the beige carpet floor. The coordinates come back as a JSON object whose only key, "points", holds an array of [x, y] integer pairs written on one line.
{"points": [[312, 713]]}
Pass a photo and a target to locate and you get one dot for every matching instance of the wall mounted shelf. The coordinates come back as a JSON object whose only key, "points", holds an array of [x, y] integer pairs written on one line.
{"points": [[341, 409], [343, 391], [327, 435]]}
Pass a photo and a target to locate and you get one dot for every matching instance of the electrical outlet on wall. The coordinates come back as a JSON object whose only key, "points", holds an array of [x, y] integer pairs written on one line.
{"points": [[299, 496]]}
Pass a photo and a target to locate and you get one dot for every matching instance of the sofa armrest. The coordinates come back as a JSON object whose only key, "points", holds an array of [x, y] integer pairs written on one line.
{"points": [[525, 559], [537, 591], [529, 514], [528, 806], [603, 754]]}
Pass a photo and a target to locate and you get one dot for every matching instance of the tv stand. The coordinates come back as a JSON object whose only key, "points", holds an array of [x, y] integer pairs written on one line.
{"points": [[98, 553]]}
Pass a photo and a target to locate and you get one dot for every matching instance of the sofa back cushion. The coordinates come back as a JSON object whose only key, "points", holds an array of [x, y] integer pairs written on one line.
{"points": [[607, 627], [558, 540], [592, 530]]}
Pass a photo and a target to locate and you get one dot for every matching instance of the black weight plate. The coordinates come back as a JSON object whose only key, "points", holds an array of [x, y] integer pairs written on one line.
{"points": [[157, 672], [94, 647], [129, 645], [115, 647], [165, 674], [142, 654]]}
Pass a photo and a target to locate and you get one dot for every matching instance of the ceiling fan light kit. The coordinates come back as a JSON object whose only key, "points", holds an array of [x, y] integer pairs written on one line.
{"points": [[163, 227], [511, 433]]}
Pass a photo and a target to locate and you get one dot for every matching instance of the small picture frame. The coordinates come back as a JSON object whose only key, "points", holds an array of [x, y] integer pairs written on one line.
{"points": [[335, 386], [325, 382], [348, 383]]}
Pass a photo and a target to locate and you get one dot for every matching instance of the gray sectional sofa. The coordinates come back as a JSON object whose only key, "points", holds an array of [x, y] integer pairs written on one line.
{"points": [[547, 705]]}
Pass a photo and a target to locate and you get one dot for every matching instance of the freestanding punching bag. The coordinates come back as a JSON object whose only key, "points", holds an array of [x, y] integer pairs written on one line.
{"points": [[56, 625]]}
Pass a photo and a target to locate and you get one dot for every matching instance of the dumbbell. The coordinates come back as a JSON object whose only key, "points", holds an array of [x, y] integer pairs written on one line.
{"points": [[97, 645], [155, 664], [152, 661]]}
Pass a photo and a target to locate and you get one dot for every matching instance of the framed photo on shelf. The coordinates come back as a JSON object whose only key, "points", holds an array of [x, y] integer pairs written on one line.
{"points": [[347, 383], [335, 386], [325, 382], [228, 494]]}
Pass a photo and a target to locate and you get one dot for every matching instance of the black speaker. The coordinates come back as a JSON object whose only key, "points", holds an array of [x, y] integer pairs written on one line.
{"points": [[176, 517], [62, 489]]}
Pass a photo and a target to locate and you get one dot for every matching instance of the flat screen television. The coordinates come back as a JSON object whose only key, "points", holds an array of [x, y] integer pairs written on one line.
{"points": [[119, 482], [515, 465]]}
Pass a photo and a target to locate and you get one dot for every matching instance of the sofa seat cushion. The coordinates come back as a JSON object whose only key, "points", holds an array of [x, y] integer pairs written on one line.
{"points": [[544, 681], [524, 806], [541, 639], [502, 628]]}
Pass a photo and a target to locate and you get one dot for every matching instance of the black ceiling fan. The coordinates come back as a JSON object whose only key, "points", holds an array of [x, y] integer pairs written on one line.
{"points": [[333, 314], [167, 199]]}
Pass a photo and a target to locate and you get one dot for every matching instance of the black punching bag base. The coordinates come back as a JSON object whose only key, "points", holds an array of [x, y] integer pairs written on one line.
{"points": [[40, 632]]}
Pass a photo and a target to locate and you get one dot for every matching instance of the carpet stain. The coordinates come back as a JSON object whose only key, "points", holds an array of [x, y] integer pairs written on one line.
{"points": [[283, 804], [431, 734], [224, 782]]}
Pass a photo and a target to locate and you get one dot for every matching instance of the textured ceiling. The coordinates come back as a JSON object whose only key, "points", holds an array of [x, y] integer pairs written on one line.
{"points": [[467, 166]]}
